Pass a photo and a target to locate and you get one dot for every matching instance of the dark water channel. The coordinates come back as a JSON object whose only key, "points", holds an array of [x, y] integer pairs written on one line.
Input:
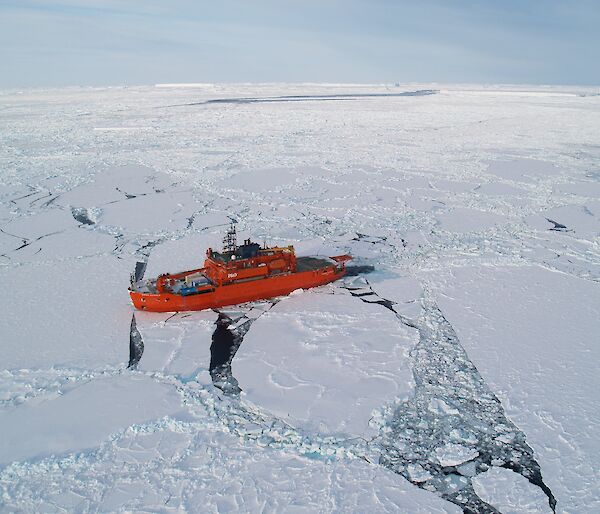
{"points": [[225, 343], [355, 270], [136, 345]]}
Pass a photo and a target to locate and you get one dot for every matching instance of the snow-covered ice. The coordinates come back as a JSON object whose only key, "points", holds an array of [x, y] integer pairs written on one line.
{"points": [[325, 361], [82, 416], [549, 389], [459, 374]]}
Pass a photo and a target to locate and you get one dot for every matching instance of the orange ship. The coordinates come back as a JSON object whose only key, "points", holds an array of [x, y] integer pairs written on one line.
{"points": [[238, 274]]}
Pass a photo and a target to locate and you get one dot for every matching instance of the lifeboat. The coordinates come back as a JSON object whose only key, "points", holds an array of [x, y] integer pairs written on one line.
{"points": [[237, 274]]}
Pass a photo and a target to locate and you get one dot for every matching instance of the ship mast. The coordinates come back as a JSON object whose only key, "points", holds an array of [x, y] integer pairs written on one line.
{"points": [[230, 239]]}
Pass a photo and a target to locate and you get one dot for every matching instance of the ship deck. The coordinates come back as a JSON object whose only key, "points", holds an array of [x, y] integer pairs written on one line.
{"points": [[148, 286], [144, 286]]}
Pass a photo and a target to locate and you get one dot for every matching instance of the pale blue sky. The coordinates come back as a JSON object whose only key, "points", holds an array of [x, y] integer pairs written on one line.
{"points": [[104, 42]]}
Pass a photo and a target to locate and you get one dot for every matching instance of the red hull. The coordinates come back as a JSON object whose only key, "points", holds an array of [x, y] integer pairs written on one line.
{"points": [[238, 292]]}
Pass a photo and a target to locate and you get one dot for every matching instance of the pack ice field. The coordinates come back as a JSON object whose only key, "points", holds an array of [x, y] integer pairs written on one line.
{"points": [[453, 369]]}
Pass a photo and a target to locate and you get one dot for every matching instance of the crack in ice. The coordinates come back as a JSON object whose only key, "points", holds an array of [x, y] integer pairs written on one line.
{"points": [[136, 345], [226, 340], [453, 427]]}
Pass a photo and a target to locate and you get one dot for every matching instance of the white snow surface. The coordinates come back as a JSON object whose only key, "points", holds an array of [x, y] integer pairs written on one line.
{"points": [[82, 418], [479, 201], [326, 361]]}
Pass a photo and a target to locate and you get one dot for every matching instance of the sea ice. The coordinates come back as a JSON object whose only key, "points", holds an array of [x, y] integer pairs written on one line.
{"points": [[316, 359], [475, 333]]}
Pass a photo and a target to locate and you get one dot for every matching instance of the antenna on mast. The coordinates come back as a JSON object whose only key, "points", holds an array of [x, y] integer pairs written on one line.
{"points": [[230, 239]]}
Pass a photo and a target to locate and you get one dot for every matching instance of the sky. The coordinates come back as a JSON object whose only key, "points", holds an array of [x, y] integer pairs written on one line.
{"points": [[110, 42]]}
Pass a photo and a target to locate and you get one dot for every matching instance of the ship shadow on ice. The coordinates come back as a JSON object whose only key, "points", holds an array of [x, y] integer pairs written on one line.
{"points": [[453, 427]]}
